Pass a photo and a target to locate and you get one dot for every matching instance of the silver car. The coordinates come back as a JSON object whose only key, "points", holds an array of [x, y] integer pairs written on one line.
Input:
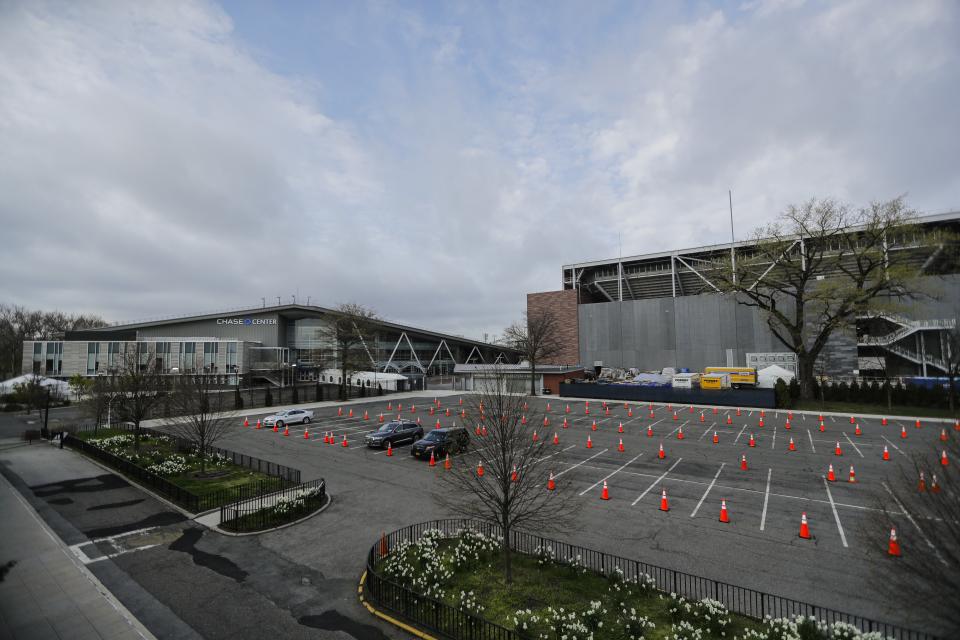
{"points": [[290, 416]]}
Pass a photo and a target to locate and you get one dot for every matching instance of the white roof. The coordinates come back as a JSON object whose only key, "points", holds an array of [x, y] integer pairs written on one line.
{"points": [[8, 386]]}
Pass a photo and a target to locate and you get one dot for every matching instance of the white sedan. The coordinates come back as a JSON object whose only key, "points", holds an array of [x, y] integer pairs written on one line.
{"points": [[290, 416]]}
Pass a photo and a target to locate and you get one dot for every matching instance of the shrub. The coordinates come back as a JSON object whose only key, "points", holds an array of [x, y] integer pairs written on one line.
{"points": [[782, 394], [795, 390]]}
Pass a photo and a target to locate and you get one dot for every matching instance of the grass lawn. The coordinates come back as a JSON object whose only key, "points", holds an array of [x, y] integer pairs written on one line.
{"points": [[857, 408], [471, 578], [154, 451]]}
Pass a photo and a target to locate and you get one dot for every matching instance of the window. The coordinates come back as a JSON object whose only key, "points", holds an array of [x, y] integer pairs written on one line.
{"points": [[210, 356], [113, 352], [54, 358], [163, 357], [232, 357], [143, 355], [37, 357], [188, 357], [93, 358]]}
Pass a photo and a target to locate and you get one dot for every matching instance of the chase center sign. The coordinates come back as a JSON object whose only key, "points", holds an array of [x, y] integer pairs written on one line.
{"points": [[247, 321]]}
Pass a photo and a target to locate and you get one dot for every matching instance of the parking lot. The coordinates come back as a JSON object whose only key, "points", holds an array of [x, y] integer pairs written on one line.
{"points": [[759, 547]]}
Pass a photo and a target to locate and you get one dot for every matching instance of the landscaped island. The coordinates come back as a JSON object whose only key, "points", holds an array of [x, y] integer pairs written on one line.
{"points": [[559, 598]]}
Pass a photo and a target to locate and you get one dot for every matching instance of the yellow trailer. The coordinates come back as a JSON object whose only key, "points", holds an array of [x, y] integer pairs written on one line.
{"points": [[715, 381], [739, 376]]}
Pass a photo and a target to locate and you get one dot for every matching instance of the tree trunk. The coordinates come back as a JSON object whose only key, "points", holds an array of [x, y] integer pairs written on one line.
{"points": [[533, 378], [805, 373], [136, 437], [507, 557]]}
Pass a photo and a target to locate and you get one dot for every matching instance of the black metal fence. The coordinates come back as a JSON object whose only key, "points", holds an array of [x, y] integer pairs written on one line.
{"points": [[453, 623], [257, 513], [636, 393], [280, 478]]}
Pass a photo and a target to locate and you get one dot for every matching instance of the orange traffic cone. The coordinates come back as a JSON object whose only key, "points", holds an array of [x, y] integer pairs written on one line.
{"points": [[857, 431], [437, 426], [433, 461], [789, 416], [275, 427], [943, 458], [761, 422], [431, 412], [716, 438], [743, 463], [340, 412], [903, 433], [837, 451], [823, 427], [551, 484], [792, 447], [620, 428], [852, 421], [258, 423], [894, 548], [956, 425], [724, 516], [664, 506], [661, 454], [831, 476], [752, 442], [934, 485], [605, 494], [535, 436], [804, 526], [943, 435], [650, 431], [702, 419], [389, 450], [523, 419], [546, 421], [344, 443], [568, 408], [350, 415], [556, 438], [246, 422], [738, 411], [922, 484], [620, 446], [917, 425], [715, 411], [483, 431], [853, 476], [286, 430], [786, 425], [366, 416], [630, 412], [675, 416], [306, 434], [589, 443], [763, 413], [729, 420], [680, 433], [480, 468], [886, 453], [691, 408], [565, 425], [380, 419], [651, 414], [820, 417], [883, 421]]}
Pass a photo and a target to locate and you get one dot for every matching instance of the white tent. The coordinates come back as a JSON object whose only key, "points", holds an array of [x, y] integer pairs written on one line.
{"points": [[56, 386], [767, 378]]}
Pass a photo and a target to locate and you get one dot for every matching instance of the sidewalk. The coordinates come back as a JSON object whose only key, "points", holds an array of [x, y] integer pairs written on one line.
{"points": [[45, 591]]}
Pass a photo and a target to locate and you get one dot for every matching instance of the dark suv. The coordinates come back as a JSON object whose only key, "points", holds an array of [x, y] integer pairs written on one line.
{"points": [[440, 442], [394, 432]]}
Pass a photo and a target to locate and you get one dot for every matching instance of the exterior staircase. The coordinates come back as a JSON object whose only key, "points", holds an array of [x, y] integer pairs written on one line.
{"points": [[907, 327]]}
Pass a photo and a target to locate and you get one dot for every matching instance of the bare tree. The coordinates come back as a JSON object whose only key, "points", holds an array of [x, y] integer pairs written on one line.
{"points": [[18, 324], [201, 407], [96, 403], [512, 493], [819, 266], [951, 358], [927, 523], [138, 386], [536, 338], [350, 327]]}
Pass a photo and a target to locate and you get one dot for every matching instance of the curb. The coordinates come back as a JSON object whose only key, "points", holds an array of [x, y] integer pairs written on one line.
{"points": [[283, 526], [401, 625]]}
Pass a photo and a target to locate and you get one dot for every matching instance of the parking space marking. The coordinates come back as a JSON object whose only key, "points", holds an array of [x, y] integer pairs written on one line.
{"points": [[707, 430], [809, 435], [855, 447], [654, 483], [836, 516], [580, 463], [773, 444], [564, 450], [737, 439], [610, 475], [766, 499], [710, 486], [898, 449], [914, 523]]}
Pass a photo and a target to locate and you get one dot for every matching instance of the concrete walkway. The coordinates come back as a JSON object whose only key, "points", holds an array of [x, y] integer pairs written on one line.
{"points": [[45, 592]]}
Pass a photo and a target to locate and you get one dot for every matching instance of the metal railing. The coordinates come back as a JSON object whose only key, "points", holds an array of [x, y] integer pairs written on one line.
{"points": [[257, 513], [454, 623], [280, 476]]}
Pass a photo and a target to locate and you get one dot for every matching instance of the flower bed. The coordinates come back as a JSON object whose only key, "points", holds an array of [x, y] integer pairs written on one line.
{"points": [[286, 509], [554, 598]]}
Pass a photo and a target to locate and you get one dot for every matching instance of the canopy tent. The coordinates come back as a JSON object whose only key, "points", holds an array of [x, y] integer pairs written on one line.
{"points": [[55, 386], [767, 378]]}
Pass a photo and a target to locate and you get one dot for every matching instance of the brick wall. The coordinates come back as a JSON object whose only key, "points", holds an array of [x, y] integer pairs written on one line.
{"points": [[564, 305]]}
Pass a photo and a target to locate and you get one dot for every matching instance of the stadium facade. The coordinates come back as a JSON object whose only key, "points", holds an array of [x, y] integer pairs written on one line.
{"points": [[662, 310], [270, 345]]}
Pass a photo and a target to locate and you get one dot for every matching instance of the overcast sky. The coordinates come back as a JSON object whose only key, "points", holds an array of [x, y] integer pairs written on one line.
{"points": [[437, 161]]}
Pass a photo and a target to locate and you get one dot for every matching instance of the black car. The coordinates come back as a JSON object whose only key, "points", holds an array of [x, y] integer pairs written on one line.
{"points": [[394, 432], [440, 442]]}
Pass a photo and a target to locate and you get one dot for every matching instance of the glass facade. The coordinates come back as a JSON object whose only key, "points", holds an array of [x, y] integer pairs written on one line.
{"points": [[54, 358], [37, 357], [93, 358], [188, 357], [163, 357], [113, 355], [231, 357], [210, 357]]}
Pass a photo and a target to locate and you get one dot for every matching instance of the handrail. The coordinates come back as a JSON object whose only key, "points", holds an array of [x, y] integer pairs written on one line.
{"points": [[456, 624]]}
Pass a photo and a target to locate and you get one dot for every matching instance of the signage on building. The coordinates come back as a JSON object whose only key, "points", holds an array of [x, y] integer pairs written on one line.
{"points": [[247, 321]]}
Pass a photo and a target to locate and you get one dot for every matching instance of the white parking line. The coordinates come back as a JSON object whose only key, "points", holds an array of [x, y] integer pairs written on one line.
{"points": [[898, 449], [713, 425], [812, 448], [836, 516], [766, 499], [773, 444], [914, 523], [564, 450], [855, 447], [737, 439], [610, 475], [704, 496], [655, 482], [580, 463]]}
